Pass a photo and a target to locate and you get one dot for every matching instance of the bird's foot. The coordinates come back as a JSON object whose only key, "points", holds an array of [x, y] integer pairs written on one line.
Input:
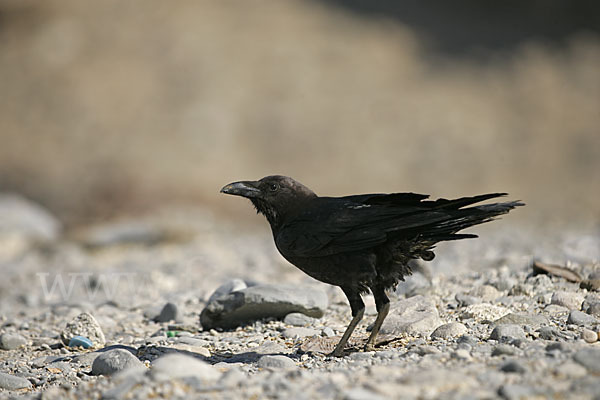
{"points": [[338, 352], [369, 347]]}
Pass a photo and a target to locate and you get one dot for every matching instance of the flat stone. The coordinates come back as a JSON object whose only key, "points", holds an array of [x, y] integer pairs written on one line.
{"points": [[580, 318], [484, 312], [510, 331], [485, 292], [11, 341], [446, 331], [276, 362], [177, 366], [570, 300], [504, 350], [169, 312], [513, 366], [114, 361], [292, 333], [589, 358], [533, 320], [84, 325], [416, 315], [298, 319], [230, 286], [11, 382], [262, 301]]}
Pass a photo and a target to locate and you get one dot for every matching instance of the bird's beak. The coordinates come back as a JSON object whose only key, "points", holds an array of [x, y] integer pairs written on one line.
{"points": [[245, 189]]}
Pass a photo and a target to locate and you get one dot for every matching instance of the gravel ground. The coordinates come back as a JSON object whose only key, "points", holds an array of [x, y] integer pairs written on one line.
{"points": [[474, 323]]}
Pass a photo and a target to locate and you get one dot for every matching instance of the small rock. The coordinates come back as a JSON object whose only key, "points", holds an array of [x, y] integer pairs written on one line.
{"points": [[169, 312], [292, 333], [114, 361], [555, 309], [11, 341], [446, 331], [589, 335], [507, 331], [516, 392], [513, 366], [327, 332], [11, 382], [485, 312], [80, 341], [233, 285], [580, 318], [589, 358], [503, 350], [465, 300], [276, 362], [533, 320], [298, 319], [23, 217], [571, 300], [594, 309], [84, 325], [461, 354], [485, 292], [176, 366], [467, 339], [522, 289], [415, 315], [262, 301]]}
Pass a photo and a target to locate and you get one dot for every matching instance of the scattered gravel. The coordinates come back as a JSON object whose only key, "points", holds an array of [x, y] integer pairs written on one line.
{"points": [[481, 326]]}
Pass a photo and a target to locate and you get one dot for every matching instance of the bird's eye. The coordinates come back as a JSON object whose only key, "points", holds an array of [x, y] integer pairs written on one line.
{"points": [[273, 187]]}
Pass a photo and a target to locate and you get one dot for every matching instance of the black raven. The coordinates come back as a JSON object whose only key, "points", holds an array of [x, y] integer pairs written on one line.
{"points": [[361, 242]]}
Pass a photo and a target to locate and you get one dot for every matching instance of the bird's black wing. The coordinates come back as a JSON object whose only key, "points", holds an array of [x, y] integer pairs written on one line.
{"points": [[337, 225]]}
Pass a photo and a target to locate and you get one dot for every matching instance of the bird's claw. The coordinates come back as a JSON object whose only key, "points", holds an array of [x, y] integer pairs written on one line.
{"points": [[369, 347]]}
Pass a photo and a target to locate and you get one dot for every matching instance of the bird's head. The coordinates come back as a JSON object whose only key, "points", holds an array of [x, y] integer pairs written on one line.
{"points": [[274, 196]]}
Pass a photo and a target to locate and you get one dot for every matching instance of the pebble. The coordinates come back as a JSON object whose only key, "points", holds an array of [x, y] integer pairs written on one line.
{"points": [[12, 341], [486, 293], [84, 325], [169, 312], [416, 315], [446, 331], [11, 382], [230, 286], [327, 332], [262, 301], [26, 218], [276, 362], [113, 361], [298, 319], [507, 331], [176, 366], [594, 309], [513, 366], [504, 350], [589, 336], [533, 320], [580, 318], [570, 300]]}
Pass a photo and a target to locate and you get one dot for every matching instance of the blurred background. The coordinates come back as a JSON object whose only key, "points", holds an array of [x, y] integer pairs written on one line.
{"points": [[112, 108]]}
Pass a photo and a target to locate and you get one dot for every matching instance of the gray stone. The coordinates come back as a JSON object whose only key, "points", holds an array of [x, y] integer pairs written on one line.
{"points": [[533, 320], [594, 309], [513, 366], [522, 289], [114, 361], [446, 331], [262, 301], [11, 382], [233, 285], [23, 217], [507, 331], [467, 339], [413, 285], [169, 312], [589, 358], [84, 325], [465, 300], [503, 350], [298, 319], [292, 333], [177, 366], [416, 315], [11, 341], [124, 233], [276, 362], [580, 318], [485, 292], [327, 331], [571, 300]]}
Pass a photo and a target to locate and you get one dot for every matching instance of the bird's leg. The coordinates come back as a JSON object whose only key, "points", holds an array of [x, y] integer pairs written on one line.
{"points": [[383, 307], [358, 310]]}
